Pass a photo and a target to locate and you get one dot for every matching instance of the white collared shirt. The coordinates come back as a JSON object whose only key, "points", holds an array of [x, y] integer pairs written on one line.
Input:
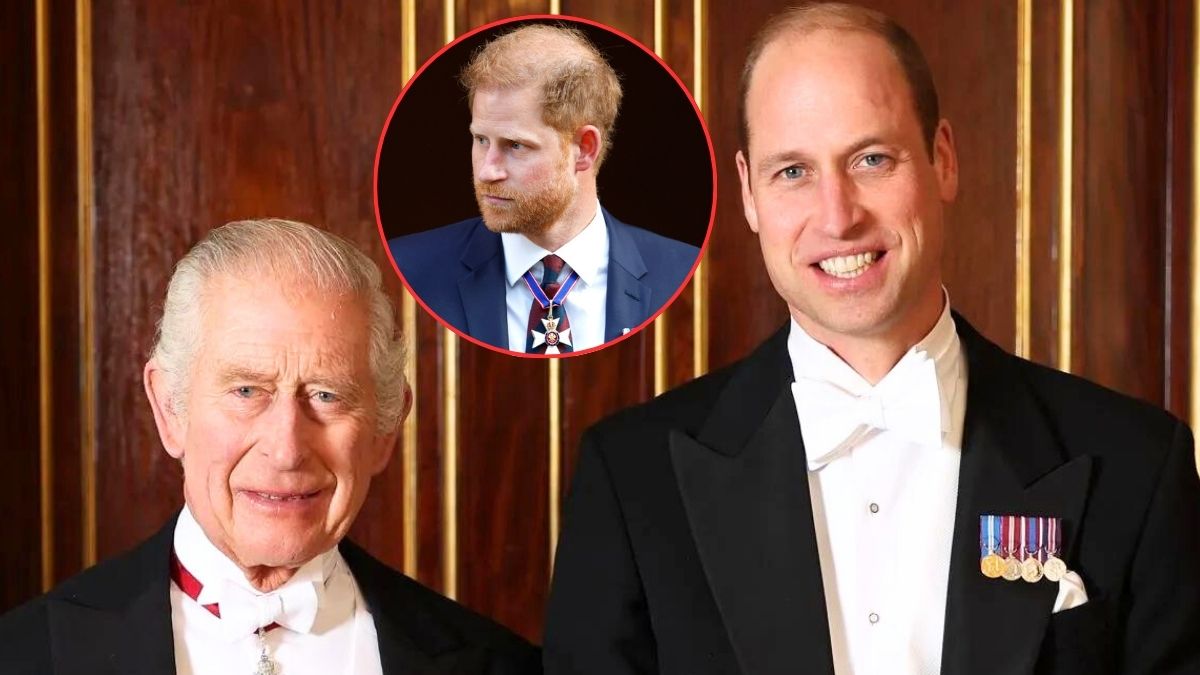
{"points": [[587, 255], [343, 638], [884, 515]]}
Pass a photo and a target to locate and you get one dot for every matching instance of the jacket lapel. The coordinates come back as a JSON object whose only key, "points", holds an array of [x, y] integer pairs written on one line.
{"points": [[121, 618], [412, 638], [1012, 464], [744, 484], [627, 303], [481, 288]]}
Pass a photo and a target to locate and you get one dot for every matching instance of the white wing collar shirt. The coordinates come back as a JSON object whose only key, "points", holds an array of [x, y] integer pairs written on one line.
{"points": [[883, 467], [325, 626], [586, 254]]}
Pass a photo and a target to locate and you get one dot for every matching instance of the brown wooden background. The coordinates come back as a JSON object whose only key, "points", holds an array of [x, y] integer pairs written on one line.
{"points": [[132, 128]]}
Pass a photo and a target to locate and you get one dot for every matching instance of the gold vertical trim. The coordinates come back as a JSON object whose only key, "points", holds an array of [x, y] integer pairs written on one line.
{"points": [[449, 32], [556, 6], [408, 39], [660, 324], [1024, 170], [1066, 218], [450, 463], [408, 321], [87, 293], [554, 377], [408, 313], [659, 41], [699, 280], [45, 363]]}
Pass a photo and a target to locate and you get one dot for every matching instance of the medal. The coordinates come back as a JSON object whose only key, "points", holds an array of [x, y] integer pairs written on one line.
{"points": [[990, 564], [1031, 567], [551, 335], [1054, 568], [265, 665], [1012, 568]]}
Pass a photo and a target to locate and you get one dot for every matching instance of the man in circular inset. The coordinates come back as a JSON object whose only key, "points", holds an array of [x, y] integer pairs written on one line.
{"points": [[545, 268]]}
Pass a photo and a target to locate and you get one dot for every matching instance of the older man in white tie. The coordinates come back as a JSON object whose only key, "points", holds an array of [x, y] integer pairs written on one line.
{"points": [[277, 383]]}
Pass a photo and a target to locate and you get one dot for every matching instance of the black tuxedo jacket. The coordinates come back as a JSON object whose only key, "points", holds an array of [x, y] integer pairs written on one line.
{"points": [[116, 618], [688, 543]]}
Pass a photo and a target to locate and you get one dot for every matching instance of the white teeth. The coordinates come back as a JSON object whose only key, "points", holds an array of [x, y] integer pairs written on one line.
{"points": [[280, 498], [848, 266]]}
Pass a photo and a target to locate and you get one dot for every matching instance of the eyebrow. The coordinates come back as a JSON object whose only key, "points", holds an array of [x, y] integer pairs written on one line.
{"points": [[524, 140]]}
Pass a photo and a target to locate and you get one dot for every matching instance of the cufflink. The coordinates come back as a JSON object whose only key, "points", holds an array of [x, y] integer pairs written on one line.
{"points": [[624, 331]]}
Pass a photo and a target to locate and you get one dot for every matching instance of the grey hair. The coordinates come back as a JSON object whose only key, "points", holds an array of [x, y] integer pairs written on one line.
{"points": [[282, 249]]}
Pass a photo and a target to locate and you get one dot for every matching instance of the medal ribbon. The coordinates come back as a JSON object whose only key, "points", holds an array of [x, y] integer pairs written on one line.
{"points": [[1053, 536], [1041, 539], [540, 295], [1033, 542], [1006, 536], [989, 534], [1023, 551]]}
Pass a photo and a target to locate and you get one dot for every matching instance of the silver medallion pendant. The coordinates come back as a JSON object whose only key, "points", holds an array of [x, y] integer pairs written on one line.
{"points": [[265, 665]]}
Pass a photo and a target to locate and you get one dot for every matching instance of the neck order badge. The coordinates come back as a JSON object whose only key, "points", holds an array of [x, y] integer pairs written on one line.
{"points": [[549, 327]]}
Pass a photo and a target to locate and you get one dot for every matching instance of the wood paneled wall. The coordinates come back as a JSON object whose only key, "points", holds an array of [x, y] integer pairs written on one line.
{"points": [[137, 127]]}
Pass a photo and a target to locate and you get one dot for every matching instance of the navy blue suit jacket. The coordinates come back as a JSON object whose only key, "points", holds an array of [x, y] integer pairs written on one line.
{"points": [[458, 271]]}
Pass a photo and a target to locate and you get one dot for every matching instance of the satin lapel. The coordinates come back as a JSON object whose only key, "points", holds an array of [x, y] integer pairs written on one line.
{"points": [[1012, 464], [744, 485], [123, 627], [411, 639], [481, 289], [627, 302]]}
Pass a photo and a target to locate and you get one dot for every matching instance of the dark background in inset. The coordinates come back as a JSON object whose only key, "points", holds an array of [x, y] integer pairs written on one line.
{"points": [[657, 176]]}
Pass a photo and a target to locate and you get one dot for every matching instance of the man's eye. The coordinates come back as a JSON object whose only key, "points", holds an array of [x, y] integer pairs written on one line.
{"points": [[326, 397], [874, 160], [792, 173], [516, 146], [244, 391]]}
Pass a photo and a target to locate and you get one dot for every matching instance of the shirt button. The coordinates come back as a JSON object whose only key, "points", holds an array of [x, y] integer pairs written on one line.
{"points": [[874, 508], [873, 618]]}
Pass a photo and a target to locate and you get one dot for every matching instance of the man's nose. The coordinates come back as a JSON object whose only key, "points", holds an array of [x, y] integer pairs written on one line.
{"points": [[491, 166], [285, 433], [840, 211]]}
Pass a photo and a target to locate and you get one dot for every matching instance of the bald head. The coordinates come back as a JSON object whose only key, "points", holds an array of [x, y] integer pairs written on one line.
{"points": [[799, 22], [577, 86]]}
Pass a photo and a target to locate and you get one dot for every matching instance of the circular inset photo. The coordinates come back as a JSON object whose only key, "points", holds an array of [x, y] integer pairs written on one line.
{"points": [[545, 186]]}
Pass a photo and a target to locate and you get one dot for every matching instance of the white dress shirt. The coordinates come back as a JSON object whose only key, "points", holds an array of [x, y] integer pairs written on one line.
{"points": [[342, 640], [884, 504], [586, 254]]}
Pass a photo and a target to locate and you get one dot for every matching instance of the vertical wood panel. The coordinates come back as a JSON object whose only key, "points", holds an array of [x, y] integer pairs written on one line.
{"points": [[65, 267], [503, 465], [1120, 277], [203, 114], [20, 559]]}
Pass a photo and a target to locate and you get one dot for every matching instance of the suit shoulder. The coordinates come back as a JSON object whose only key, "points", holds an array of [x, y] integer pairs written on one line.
{"points": [[435, 244], [25, 639], [1109, 414], [434, 618], [684, 408], [675, 251]]}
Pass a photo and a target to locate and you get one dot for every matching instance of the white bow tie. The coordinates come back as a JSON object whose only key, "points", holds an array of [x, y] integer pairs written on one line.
{"points": [[833, 420], [243, 611]]}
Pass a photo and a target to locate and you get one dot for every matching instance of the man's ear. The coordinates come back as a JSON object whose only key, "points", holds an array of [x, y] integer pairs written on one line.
{"points": [[587, 141], [743, 168], [945, 161], [171, 426], [385, 444]]}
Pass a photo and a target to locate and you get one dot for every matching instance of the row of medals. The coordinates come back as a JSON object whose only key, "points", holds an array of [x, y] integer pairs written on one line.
{"points": [[1031, 569]]}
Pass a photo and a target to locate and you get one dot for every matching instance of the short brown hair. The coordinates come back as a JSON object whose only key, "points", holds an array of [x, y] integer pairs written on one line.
{"points": [[578, 86], [812, 17]]}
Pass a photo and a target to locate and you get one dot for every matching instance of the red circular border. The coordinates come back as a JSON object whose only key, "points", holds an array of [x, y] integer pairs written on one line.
{"points": [[712, 214]]}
